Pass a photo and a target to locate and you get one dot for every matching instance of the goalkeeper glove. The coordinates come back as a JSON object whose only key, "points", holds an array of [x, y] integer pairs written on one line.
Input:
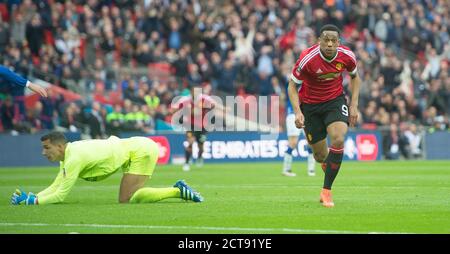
{"points": [[32, 199], [18, 196]]}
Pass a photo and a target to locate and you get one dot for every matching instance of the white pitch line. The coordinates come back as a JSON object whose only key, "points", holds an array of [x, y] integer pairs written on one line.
{"points": [[290, 230], [248, 186]]}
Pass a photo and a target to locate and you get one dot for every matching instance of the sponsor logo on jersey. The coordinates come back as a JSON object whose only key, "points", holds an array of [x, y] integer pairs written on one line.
{"points": [[329, 76]]}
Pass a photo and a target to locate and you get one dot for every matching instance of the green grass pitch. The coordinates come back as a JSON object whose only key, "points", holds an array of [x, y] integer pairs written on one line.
{"points": [[245, 198]]}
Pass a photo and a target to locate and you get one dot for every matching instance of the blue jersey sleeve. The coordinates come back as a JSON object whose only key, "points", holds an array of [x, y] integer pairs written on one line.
{"points": [[12, 77]]}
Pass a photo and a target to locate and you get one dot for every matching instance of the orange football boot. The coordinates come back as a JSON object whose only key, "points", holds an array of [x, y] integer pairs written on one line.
{"points": [[325, 198]]}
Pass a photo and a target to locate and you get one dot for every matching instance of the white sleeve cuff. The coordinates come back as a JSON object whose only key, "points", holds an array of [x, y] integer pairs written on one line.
{"points": [[28, 83], [354, 71], [296, 80]]}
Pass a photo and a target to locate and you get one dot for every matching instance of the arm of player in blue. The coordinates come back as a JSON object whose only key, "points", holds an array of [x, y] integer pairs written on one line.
{"points": [[12, 77]]}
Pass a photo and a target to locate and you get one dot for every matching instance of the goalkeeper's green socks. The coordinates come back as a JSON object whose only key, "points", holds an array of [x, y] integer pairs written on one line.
{"points": [[149, 195]]}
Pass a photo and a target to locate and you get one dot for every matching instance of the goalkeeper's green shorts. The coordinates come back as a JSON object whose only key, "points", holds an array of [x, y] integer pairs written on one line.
{"points": [[143, 156]]}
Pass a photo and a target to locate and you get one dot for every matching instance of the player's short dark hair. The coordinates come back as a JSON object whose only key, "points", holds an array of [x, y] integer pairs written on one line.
{"points": [[55, 137], [330, 27]]}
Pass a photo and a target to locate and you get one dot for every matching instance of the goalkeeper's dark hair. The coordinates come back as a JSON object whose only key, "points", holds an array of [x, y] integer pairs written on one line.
{"points": [[329, 27], [55, 137]]}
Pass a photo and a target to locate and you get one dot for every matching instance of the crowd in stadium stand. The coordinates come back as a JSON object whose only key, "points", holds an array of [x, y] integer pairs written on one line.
{"points": [[129, 59]]}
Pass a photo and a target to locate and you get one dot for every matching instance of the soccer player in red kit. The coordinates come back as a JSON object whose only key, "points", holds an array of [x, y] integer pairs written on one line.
{"points": [[197, 104], [319, 104]]}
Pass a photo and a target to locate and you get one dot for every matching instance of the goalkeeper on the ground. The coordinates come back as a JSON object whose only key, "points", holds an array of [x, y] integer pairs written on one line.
{"points": [[95, 160]]}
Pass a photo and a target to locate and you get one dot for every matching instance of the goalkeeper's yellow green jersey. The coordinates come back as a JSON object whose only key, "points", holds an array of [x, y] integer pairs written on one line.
{"points": [[91, 160]]}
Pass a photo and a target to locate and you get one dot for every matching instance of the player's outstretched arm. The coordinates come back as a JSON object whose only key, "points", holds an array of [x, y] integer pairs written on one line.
{"points": [[55, 193], [18, 80], [54, 186], [355, 84], [295, 102], [37, 89], [62, 185]]}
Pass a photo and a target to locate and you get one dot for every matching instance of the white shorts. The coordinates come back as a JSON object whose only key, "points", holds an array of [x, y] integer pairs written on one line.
{"points": [[291, 129]]}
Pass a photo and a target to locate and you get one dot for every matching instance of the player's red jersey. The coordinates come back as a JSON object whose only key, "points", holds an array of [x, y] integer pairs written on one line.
{"points": [[198, 106], [321, 79]]}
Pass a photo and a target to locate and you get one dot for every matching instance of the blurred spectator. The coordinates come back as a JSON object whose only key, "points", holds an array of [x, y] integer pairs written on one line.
{"points": [[4, 34], [437, 96], [130, 91], [72, 119], [35, 34], [144, 120], [244, 78], [227, 77], [265, 66], [244, 50], [414, 140], [194, 78], [303, 34], [50, 108], [181, 66], [174, 39], [140, 97], [7, 114], [18, 29], [152, 99], [144, 55], [395, 144], [216, 66], [96, 121], [31, 122], [115, 121]]}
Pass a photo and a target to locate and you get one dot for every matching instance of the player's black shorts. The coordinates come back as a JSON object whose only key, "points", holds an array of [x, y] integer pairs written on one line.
{"points": [[200, 136], [319, 116]]}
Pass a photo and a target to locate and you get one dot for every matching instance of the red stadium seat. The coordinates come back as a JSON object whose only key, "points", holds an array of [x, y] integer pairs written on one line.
{"points": [[348, 29], [80, 9], [115, 97], [49, 39], [164, 67], [4, 12], [287, 40], [100, 97], [160, 71], [241, 91], [82, 46], [369, 126], [36, 61]]}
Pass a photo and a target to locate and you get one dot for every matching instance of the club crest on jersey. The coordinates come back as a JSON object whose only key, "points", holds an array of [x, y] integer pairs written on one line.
{"points": [[309, 137], [339, 66]]}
